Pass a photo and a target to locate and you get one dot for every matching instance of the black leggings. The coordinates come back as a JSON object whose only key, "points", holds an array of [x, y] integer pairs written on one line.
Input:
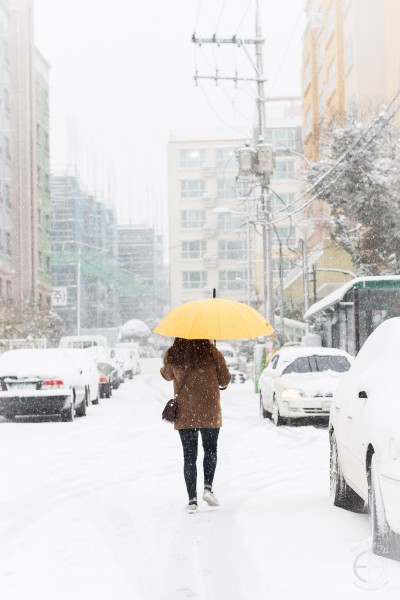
{"points": [[189, 439]]}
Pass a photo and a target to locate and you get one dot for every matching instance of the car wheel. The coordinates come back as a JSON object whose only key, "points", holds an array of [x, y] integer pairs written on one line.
{"points": [[81, 410], [342, 494], [385, 541], [263, 413], [97, 400], [69, 413], [275, 415]]}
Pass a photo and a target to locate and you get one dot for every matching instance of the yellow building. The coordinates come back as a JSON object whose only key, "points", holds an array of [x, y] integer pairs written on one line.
{"points": [[351, 64]]}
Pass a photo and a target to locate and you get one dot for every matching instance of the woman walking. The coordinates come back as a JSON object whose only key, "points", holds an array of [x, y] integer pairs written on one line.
{"points": [[198, 371]]}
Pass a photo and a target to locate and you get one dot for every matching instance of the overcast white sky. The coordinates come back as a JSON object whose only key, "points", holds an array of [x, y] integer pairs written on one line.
{"points": [[122, 77]]}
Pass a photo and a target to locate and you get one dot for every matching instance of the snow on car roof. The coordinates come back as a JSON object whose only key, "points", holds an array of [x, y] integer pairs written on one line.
{"points": [[40, 362], [292, 352]]}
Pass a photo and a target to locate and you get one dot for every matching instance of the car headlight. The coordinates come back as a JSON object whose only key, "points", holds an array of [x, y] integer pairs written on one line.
{"points": [[292, 394]]}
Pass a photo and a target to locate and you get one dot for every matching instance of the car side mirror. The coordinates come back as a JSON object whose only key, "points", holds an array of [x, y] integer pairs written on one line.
{"points": [[362, 394]]}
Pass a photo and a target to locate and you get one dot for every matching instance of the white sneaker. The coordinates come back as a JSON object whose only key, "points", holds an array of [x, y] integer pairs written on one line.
{"points": [[191, 507], [208, 496]]}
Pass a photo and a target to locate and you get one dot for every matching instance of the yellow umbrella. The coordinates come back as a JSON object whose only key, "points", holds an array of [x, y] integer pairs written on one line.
{"points": [[214, 319]]}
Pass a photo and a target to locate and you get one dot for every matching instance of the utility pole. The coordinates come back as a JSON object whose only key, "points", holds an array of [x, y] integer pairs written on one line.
{"points": [[258, 161]]}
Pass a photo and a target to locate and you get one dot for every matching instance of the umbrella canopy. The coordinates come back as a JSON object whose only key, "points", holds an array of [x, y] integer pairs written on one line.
{"points": [[214, 319]]}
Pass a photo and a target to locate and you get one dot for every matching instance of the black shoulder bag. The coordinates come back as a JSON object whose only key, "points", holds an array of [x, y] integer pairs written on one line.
{"points": [[170, 411]]}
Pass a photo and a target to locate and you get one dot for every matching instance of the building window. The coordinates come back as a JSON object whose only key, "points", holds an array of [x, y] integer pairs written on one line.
{"points": [[284, 235], [232, 250], [281, 201], [287, 266], [191, 157], [193, 218], [230, 222], [7, 101], [232, 280], [308, 121], [226, 158], [284, 169], [7, 195], [194, 249], [194, 280], [8, 243], [192, 188], [7, 150], [330, 21], [226, 189], [331, 79], [348, 54], [307, 73], [243, 189], [284, 137]]}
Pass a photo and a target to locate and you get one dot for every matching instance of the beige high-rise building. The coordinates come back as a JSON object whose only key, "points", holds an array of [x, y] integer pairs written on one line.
{"points": [[6, 267], [23, 152]]}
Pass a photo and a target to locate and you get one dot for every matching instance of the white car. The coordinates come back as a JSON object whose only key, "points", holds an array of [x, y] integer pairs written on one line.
{"points": [[299, 382], [364, 435], [89, 373], [40, 382]]}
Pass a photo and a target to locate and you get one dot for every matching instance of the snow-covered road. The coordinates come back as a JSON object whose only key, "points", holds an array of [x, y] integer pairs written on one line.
{"points": [[95, 509]]}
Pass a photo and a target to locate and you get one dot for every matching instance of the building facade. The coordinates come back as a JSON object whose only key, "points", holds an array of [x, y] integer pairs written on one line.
{"points": [[140, 256], [351, 62], [23, 144], [6, 265], [84, 265], [43, 180], [215, 225]]}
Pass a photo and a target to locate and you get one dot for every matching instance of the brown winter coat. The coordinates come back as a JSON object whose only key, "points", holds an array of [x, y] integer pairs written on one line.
{"points": [[199, 398]]}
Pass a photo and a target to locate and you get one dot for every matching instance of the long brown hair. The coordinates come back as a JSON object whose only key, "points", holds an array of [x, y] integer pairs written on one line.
{"points": [[184, 352]]}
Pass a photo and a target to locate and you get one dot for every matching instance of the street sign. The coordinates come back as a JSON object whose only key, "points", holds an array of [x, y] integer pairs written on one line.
{"points": [[59, 296]]}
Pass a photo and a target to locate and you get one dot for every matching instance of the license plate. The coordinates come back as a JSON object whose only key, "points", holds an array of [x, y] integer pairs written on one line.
{"points": [[22, 385]]}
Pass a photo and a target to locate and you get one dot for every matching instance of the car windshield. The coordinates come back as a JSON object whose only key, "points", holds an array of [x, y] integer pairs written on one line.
{"points": [[312, 364]]}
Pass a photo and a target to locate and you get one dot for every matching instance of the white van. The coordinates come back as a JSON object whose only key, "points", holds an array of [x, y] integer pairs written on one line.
{"points": [[83, 341]]}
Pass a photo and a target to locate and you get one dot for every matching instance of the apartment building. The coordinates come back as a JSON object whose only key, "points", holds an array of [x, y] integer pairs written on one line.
{"points": [[214, 217], [351, 61], [84, 261], [140, 257], [6, 265], [23, 144], [43, 179], [351, 65]]}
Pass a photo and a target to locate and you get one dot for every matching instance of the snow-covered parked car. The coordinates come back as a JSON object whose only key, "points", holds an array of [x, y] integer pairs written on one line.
{"points": [[106, 368], [89, 373], [299, 382], [364, 435], [38, 382]]}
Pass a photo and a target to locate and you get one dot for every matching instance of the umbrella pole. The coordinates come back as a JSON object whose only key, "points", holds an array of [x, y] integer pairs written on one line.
{"points": [[214, 296]]}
